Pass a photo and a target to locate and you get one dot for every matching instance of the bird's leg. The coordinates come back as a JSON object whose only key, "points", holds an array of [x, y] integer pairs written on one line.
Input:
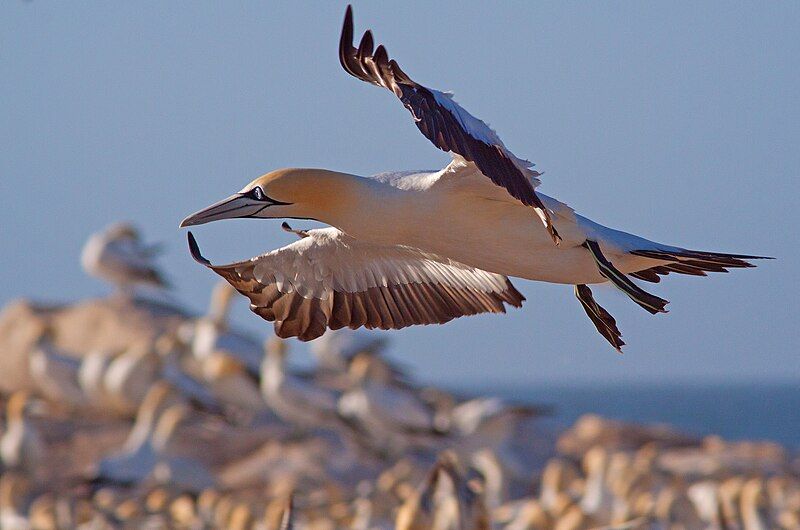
{"points": [[601, 318], [299, 233], [650, 302]]}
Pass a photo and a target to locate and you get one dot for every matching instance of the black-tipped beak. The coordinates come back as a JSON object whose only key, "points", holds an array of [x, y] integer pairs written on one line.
{"points": [[238, 205]]}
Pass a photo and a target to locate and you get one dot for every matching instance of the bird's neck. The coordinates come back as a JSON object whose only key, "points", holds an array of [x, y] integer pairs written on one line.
{"points": [[356, 205]]}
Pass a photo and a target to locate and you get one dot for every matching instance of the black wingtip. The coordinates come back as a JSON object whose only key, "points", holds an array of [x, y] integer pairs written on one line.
{"points": [[346, 41], [195, 251], [347, 27]]}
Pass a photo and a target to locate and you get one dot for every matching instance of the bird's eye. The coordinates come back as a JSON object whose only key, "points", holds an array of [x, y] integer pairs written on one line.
{"points": [[257, 193]]}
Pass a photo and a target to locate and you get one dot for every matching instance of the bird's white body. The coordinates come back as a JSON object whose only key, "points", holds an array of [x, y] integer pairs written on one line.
{"points": [[478, 224]]}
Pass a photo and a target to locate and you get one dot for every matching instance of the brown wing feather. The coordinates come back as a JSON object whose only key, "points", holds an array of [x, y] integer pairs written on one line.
{"points": [[392, 306]]}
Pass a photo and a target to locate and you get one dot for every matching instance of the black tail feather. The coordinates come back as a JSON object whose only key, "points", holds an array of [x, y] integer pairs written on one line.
{"points": [[649, 302], [690, 262]]}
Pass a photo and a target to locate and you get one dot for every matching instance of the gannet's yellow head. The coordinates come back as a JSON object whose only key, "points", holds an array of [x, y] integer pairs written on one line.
{"points": [[285, 193]]}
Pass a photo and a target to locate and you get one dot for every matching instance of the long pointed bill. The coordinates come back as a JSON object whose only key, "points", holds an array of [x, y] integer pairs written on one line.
{"points": [[238, 205]]}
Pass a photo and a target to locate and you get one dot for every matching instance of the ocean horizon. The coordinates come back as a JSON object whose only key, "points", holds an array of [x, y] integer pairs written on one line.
{"points": [[735, 411]]}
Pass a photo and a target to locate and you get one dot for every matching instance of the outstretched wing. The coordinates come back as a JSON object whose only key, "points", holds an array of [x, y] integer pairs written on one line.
{"points": [[330, 280], [445, 123]]}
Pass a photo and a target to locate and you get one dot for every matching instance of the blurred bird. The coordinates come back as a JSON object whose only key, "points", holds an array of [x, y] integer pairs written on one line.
{"points": [[488, 422], [55, 374], [91, 376], [130, 375], [294, 399], [287, 520], [118, 256], [598, 499], [418, 511], [149, 436], [388, 414], [211, 334], [21, 446], [337, 347], [425, 247], [14, 489], [231, 383]]}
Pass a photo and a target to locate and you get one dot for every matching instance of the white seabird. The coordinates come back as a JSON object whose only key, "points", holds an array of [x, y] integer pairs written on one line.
{"points": [[337, 347], [389, 415], [291, 397], [21, 446], [55, 374], [211, 333], [118, 256], [426, 247]]}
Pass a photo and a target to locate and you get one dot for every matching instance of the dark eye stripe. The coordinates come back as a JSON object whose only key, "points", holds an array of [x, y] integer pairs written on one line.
{"points": [[257, 194]]}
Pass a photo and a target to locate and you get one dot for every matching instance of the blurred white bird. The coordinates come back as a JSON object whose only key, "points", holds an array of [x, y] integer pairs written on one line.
{"points": [[55, 374], [91, 376], [13, 490], [337, 347], [488, 422], [118, 256], [130, 375], [147, 452], [210, 334], [287, 520], [384, 412], [137, 457], [296, 400], [231, 383], [21, 447]]}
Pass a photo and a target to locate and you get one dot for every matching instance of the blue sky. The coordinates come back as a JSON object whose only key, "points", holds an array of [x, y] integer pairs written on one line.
{"points": [[678, 121]]}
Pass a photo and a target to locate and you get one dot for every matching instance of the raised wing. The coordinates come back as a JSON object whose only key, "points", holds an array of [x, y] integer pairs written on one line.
{"points": [[330, 280], [446, 124]]}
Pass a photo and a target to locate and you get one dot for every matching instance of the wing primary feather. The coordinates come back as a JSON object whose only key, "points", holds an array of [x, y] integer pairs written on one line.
{"points": [[330, 280], [447, 125]]}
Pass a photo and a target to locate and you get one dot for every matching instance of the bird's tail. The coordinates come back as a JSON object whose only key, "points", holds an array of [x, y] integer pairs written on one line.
{"points": [[691, 262]]}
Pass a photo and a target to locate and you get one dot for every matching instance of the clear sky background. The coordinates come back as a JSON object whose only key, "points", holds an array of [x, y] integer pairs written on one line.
{"points": [[679, 122]]}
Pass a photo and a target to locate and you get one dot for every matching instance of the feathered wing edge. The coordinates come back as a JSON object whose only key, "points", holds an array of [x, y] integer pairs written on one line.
{"points": [[393, 306], [445, 123]]}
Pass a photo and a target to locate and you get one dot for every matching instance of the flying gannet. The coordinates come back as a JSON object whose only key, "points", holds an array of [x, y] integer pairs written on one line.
{"points": [[415, 247]]}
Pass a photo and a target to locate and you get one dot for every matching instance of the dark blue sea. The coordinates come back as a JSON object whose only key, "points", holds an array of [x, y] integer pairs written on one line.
{"points": [[733, 411]]}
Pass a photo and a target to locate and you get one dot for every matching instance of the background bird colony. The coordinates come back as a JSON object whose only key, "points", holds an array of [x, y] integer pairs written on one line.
{"points": [[131, 412]]}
